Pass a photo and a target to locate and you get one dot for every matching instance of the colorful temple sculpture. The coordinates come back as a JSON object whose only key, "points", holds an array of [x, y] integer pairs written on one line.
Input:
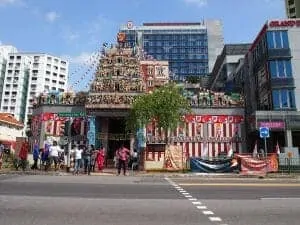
{"points": [[205, 141], [52, 111]]}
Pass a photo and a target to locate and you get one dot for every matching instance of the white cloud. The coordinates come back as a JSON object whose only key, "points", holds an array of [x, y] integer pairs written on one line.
{"points": [[51, 16], [97, 27], [86, 58], [199, 3], [72, 36], [68, 34], [10, 2]]}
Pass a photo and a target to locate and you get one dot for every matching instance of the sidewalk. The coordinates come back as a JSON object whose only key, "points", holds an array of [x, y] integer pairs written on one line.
{"points": [[112, 172]]}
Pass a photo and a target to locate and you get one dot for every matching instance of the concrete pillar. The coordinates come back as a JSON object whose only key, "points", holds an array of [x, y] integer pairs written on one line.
{"points": [[104, 130], [288, 138], [131, 143], [42, 134], [91, 134]]}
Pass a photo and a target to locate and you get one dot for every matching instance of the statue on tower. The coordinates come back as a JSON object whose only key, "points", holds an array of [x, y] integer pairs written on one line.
{"points": [[121, 39]]}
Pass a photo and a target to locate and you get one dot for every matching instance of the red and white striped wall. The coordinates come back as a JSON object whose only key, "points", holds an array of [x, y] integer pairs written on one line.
{"points": [[209, 131]]}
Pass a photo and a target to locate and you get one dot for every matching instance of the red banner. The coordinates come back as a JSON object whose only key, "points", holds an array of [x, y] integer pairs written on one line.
{"points": [[250, 165], [213, 119]]}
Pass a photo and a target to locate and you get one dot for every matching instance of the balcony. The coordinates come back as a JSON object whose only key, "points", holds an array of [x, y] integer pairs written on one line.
{"points": [[282, 82], [279, 53]]}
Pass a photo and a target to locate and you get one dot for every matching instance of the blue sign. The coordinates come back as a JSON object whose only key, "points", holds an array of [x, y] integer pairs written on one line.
{"points": [[141, 139], [91, 134], [264, 132]]}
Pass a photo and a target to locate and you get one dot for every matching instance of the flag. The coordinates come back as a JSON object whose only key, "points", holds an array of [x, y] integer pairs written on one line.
{"points": [[229, 151], [277, 148], [254, 154], [204, 152]]}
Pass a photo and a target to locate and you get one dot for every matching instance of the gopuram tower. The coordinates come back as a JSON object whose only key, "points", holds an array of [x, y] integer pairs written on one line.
{"points": [[118, 80]]}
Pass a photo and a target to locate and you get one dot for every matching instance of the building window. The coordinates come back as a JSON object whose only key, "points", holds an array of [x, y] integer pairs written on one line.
{"points": [[283, 99], [280, 68], [277, 39]]}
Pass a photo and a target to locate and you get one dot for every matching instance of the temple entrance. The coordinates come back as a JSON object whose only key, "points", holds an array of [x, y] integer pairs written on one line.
{"points": [[116, 136]]}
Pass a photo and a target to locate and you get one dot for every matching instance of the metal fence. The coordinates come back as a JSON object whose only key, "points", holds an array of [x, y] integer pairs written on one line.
{"points": [[289, 165]]}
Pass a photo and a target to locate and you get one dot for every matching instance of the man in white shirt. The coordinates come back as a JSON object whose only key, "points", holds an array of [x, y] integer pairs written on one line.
{"points": [[53, 152], [78, 159]]}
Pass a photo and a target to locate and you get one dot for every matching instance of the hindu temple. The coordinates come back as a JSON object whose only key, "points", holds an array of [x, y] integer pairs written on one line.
{"points": [[98, 117]]}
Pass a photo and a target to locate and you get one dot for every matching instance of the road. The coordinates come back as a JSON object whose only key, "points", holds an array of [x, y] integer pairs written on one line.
{"points": [[112, 200]]}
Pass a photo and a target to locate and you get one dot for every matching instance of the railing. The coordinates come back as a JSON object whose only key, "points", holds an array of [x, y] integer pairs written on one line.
{"points": [[289, 165]]}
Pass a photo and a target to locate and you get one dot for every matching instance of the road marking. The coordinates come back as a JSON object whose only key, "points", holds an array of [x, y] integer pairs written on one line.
{"points": [[207, 212], [241, 184], [279, 198], [196, 203], [215, 219]]}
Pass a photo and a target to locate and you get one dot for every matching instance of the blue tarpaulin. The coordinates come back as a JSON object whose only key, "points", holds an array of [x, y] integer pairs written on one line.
{"points": [[212, 166]]}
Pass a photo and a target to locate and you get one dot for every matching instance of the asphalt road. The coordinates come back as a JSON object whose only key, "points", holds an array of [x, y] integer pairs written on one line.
{"points": [[111, 200]]}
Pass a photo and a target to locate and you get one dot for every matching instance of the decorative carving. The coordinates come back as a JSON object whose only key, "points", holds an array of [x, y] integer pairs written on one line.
{"points": [[63, 98], [110, 99], [206, 98]]}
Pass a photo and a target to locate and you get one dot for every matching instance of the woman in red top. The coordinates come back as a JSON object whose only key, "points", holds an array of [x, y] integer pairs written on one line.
{"points": [[23, 154], [100, 158]]}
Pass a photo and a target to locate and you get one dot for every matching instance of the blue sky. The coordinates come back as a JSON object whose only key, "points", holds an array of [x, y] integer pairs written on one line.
{"points": [[75, 29]]}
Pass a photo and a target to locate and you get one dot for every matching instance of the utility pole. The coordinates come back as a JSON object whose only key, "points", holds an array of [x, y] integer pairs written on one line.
{"points": [[69, 146]]}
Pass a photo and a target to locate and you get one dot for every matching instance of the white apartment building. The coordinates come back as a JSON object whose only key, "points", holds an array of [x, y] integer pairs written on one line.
{"points": [[26, 76], [4, 50]]}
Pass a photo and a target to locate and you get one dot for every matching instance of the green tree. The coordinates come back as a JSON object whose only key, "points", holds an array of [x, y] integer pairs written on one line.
{"points": [[166, 105]]}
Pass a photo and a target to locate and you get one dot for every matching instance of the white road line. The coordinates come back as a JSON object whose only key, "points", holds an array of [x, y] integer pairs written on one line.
{"points": [[215, 219], [207, 212], [197, 203], [289, 198]]}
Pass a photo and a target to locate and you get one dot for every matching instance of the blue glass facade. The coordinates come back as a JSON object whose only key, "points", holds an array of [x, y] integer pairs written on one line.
{"points": [[185, 49], [280, 71]]}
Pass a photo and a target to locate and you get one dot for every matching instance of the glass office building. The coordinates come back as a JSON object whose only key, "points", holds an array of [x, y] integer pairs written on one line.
{"points": [[190, 48]]}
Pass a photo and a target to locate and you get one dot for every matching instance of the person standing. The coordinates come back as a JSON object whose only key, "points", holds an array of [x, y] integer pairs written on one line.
{"points": [[122, 154], [23, 154], [1, 154], [36, 155], [54, 151], [93, 158], [78, 159], [100, 159], [87, 154]]}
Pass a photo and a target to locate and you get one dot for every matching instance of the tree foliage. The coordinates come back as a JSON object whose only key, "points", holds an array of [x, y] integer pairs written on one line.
{"points": [[166, 105]]}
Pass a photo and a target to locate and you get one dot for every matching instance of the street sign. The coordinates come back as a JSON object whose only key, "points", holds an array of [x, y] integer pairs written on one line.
{"points": [[71, 114], [264, 132]]}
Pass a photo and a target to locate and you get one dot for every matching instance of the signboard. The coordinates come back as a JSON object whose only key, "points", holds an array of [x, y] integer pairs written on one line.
{"points": [[264, 132], [71, 114], [284, 23], [193, 139], [274, 124]]}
